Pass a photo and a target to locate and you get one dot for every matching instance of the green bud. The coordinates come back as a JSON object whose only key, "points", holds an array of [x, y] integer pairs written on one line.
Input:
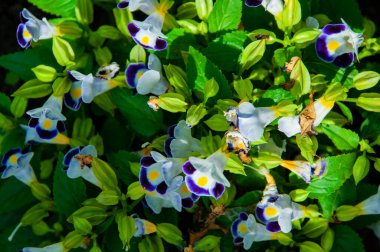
{"points": [[63, 52], [18, 106], [217, 122], [309, 246], [299, 195], [34, 215], [315, 227], [211, 89], [109, 32], [203, 28], [95, 248], [204, 8], [290, 15], [270, 37], [305, 36], [365, 146], [82, 128], [97, 141], [335, 92], [103, 56], [284, 239], [45, 73], [61, 86], [369, 28], [327, 240], [40, 191], [69, 29], [135, 191], [151, 243], [306, 146], [6, 124], [82, 226], [57, 227], [172, 102], [105, 174], [94, 214], [369, 101], [122, 19], [108, 198], [33, 89], [84, 11], [95, 40], [377, 164], [243, 88], [46, 168], [361, 168], [207, 243], [234, 165], [40, 228], [366, 80], [189, 25], [251, 54], [170, 233], [177, 78], [194, 114], [186, 11], [73, 240], [137, 54], [135, 167], [269, 159], [301, 77], [126, 227], [347, 213]]}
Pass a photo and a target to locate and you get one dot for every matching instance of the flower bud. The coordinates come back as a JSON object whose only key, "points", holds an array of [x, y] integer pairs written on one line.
{"points": [[33, 89], [61, 86], [309, 246], [203, 28], [170, 233], [126, 227], [284, 239], [204, 8], [73, 240], [40, 228], [189, 25], [105, 174], [252, 54], [299, 195], [361, 168], [369, 101], [305, 35], [94, 214], [346, 213], [69, 29], [269, 159], [97, 141], [366, 80], [40, 191], [84, 11], [34, 215], [315, 227], [45, 73], [18, 106], [327, 240], [194, 114], [135, 191], [137, 54], [63, 52], [335, 92], [172, 102], [177, 78], [109, 32], [207, 243], [103, 56], [262, 34], [108, 198], [82, 226], [186, 11]]}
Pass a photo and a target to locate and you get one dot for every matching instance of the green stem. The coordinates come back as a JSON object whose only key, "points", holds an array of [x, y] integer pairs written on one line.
{"points": [[351, 100]]}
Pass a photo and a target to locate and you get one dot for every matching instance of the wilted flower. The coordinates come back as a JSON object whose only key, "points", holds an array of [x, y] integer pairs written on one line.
{"points": [[338, 44], [272, 6], [246, 230], [180, 143], [86, 87], [17, 163], [143, 227], [305, 169], [32, 28], [371, 205], [204, 177], [290, 125], [147, 79], [79, 162], [56, 247]]}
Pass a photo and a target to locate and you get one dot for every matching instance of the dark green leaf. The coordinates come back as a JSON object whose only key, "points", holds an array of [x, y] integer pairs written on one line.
{"points": [[178, 42], [225, 15], [346, 240]]}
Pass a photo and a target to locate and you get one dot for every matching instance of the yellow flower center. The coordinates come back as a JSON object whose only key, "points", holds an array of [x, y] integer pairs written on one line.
{"points": [[76, 93], [153, 175], [270, 211], [202, 181], [184, 189], [139, 74], [47, 124], [243, 228], [26, 33], [333, 45], [145, 40], [13, 159]]}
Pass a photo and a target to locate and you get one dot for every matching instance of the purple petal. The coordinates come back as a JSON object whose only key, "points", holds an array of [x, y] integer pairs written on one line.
{"points": [[9, 154], [187, 203], [61, 126], [253, 3], [260, 215], [188, 168], [273, 226], [144, 181], [171, 130], [33, 122], [218, 190], [46, 134], [167, 146], [69, 155], [238, 240], [234, 227], [20, 38], [334, 28], [132, 73], [194, 197], [71, 103], [147, 161], [344, 60], [161, 44], [133, 29], [162, 188], [123, 5], [194, 188], [243, 216], [321, 49]]}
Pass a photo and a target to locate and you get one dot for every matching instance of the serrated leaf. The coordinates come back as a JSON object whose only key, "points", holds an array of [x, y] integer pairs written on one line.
{"points": [[68, 193], [225, 15], [343, 139], [339, 169], [64, 8], [218, 123], [178, 42], [346, 240]]}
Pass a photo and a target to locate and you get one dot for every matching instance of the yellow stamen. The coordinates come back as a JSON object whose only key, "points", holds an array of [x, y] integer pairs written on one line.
{"points": [[333, 45], [139, 74], [47, 124], [153, 175], [76, 93], [202, 181], [243, 228], [26, 33], [184, 189], [13, 159], [270, 211], [145, 40]]}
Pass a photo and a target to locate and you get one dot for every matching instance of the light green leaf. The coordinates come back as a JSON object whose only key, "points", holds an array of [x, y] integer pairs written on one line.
{"points": [[343, 139], [217, 122], [64, 8], [225, 15]]}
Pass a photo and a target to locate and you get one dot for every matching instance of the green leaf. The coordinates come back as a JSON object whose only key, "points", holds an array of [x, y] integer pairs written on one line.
{"points": [[207, 243], [343, 139], [177, 78], [178, 42], [195, 113], [199, 70], [339, 169], [172, 102], [126, 227], [105, 174], [225, 15], [33, 89], [218, 123], [346, 111], [234, 165], [169, 233], [68, 193], [346, 240], [136, 111], [361, 168], [64, 8], [247, 199], [301, 76], [306, 146]]}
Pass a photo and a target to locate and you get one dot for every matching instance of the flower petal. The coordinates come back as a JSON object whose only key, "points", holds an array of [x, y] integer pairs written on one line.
{"points": [[344, 60], [133, 73], [289, 125], [148, 82]]}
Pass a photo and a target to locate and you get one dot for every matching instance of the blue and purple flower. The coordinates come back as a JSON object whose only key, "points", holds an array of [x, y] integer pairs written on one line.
{"points": [[272, 6], [17, 163], [143, 227], [147, 79], [338, 44], [305, 169], [204, 177], [32, 28]]}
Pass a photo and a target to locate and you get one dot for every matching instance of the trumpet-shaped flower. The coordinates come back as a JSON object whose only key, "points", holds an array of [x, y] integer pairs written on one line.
{"points": [[180, 143], [290, 125], [371, 205], [171, 198], [143, 227], [56, 247], [376, 228], [306, 170], [157, 172], [86, 87], [246, 230], [338, 44], [188, 198], [204, 177], [43, 130], [17, 163], [148, 79], [32, 28], [278, 211], [79, 161], [251, 121], [51, 109], [272, 6]]}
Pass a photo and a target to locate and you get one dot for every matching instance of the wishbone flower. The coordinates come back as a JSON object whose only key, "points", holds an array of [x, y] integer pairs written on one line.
{"points": [[56, 247], [143, 227], [370, 205], [306, 170], [338, 44], [147, 79], [32, 28], [272, 6]]}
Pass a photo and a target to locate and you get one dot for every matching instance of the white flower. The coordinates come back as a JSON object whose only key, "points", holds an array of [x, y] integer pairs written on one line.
{"points": [[56, 247], [17, 164], [370, 205]]}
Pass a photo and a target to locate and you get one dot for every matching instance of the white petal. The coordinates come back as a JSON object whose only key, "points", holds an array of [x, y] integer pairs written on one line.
{"points": [[87, 89], [147, 82], [26, 175], [158, 157], [146, 6], [265, 115], [274, 6], [322, 108], [89, 150], [312, 23], [74, 170], [88, 174], [154, 63], [246, 109], [161, 86], [289, 125], [202, 165], [251, 128], [154, 202], [77, 75], [371, 205], [285, 221]]}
